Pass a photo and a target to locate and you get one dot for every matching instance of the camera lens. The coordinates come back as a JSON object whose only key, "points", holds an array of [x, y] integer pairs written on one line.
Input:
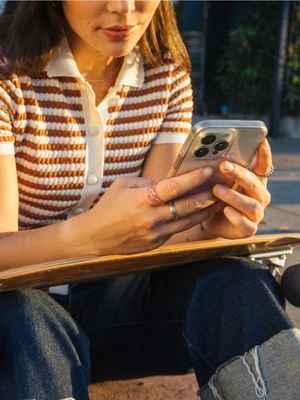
{"points": [[221, 146], [209, 139], [201, 152]]}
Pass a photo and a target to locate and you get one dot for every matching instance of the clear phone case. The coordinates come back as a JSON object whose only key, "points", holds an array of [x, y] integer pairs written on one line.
{"points": [[212, 141]]}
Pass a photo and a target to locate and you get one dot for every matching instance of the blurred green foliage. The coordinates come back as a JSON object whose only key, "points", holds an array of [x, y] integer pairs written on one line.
{"points": [[292, 82], [246, 69]]}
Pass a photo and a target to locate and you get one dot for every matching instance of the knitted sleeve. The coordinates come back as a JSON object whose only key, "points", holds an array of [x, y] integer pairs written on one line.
{"points": [[6, 116], [178, 119]]}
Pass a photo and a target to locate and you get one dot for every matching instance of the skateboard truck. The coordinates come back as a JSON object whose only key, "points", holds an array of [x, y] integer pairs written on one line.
{"points": [[275, 260]]}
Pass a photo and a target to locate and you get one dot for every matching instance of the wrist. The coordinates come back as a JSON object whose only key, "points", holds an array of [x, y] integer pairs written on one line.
{"points": [[75, 235]]}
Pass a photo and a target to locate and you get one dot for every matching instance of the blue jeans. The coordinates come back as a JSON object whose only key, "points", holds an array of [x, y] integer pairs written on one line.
{"points": [[197, 315]]}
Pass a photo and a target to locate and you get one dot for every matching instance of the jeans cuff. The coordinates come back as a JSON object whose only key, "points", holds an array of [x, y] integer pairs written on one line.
{"points": [[270, 371]]}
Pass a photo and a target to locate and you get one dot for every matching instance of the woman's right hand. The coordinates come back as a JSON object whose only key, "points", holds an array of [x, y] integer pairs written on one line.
{"points": [[125, 220]]}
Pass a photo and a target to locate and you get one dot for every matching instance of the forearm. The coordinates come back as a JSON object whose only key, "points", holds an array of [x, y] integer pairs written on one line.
{"points": [[53, 242]]}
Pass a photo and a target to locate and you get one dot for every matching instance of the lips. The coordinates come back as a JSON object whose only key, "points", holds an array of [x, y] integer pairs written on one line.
{"points": [[119, 28], [116, 33]]}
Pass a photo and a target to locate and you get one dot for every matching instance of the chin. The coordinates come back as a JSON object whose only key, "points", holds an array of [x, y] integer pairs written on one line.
{"points": [[106, 46], [116, 49]]}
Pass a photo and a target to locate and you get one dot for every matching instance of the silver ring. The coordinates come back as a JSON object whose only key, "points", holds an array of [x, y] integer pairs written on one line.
{"points": [[173, 210]]}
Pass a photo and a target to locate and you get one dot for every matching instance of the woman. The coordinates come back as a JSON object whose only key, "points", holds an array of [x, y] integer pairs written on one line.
{"points": [[95, 104]]}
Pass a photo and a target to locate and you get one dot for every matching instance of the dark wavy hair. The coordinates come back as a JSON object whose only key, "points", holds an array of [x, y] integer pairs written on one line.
{"points": [[30, 32]]}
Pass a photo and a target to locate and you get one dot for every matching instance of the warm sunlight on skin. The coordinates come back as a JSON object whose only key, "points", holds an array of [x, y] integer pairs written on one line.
{"points": [[93, 47]]}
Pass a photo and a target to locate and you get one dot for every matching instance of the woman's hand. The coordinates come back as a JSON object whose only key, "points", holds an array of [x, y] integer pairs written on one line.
{"points": [[243, 210], [128, 220]]}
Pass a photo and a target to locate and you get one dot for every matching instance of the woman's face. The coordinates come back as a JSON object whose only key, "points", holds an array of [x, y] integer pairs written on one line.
{"points": [[89, 21]]}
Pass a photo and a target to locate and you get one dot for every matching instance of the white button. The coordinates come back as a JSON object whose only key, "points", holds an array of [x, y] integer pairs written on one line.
{"points": [[130, 61], [92, 179]]}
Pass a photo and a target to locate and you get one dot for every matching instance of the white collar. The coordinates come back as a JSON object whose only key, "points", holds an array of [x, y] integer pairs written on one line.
{"points": [[63, 64]]}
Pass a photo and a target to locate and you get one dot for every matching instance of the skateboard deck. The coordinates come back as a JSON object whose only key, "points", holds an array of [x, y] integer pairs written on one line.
{"points": [[90, 268]]}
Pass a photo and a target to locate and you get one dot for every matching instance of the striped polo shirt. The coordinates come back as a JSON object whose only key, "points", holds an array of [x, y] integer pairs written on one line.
{"points": [[68, 151]]}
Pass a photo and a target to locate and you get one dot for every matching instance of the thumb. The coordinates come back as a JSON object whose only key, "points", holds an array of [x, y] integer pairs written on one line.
{"points": [[263, 159]]}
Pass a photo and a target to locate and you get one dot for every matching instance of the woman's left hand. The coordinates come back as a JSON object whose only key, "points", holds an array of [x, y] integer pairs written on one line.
{"points": [[243, 210]]}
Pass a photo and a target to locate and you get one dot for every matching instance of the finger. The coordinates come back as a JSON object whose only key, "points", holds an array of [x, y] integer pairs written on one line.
{"points": [[183, 224], [240, 222], [242, 203], [188, 205], [172, 188], [263, 160], [248, 181], [132, 182]]}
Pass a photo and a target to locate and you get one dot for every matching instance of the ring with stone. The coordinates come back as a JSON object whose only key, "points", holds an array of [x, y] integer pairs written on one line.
{"points": [[268, 173], [153, 197]]}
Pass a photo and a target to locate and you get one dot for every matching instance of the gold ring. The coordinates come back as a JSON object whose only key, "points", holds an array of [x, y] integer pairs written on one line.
{"points": [[173, 210]]}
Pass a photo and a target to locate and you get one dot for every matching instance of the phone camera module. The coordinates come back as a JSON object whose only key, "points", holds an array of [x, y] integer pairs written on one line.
{"points": [[221, 145], [201, 152], [209, 139]]}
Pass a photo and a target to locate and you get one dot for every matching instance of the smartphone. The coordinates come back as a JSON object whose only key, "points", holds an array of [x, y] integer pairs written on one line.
{"points": [[212, 141]]}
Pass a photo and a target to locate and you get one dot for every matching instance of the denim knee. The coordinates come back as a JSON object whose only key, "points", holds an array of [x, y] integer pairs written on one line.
{"points": [[235, 307], [38, 333], [17, 308], [270, 371], [28, 306], [235, 287], [239, 275]]}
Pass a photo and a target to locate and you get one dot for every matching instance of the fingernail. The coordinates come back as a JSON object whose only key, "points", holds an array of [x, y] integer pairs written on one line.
{"points": [[207, 171], [205, 203], [227, 166]]}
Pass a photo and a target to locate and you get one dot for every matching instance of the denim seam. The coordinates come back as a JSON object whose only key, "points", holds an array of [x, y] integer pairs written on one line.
{"points": [[259, 382], [192, 349], [212, 385]]}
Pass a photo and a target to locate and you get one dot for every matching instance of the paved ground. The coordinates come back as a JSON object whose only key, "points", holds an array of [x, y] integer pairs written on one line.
{"points": [[282, 215]]}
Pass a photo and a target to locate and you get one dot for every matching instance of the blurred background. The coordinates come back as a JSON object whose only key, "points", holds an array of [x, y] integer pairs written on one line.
{"points": [[246, 59]]}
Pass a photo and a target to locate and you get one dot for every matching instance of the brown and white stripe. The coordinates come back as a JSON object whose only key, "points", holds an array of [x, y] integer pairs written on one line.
{"points": [[43, 122]]}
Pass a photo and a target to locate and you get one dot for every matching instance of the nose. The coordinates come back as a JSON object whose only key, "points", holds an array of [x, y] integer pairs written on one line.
{"points": [[121, 6]]}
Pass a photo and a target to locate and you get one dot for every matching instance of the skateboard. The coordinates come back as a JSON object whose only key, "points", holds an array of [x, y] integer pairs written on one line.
{"points": [[271, 250]]}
